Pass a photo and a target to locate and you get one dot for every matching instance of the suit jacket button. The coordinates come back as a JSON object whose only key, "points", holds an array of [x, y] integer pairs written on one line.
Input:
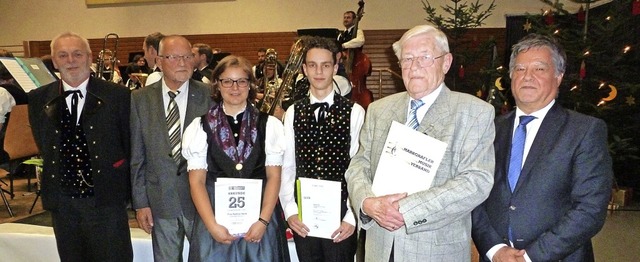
{"points": [[512, 207], [415, 223], [424, 220]]}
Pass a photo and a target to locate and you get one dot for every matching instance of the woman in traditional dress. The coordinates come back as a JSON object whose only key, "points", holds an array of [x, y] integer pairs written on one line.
{"points": [[235, 140]]}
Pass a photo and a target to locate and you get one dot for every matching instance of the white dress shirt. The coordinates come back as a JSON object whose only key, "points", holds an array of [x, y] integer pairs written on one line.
{"points": [[287, 186]]}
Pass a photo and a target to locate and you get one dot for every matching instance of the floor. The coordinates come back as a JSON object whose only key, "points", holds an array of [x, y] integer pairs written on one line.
{"points": [[617, 241]]}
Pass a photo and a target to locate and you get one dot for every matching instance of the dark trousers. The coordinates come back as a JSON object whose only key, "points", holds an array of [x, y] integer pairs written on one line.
{"points": [[85, 232], [313, 249]]}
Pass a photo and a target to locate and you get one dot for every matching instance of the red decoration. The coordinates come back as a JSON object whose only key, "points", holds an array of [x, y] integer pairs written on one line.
{"points": [[548, 19], [461, 72], [636, 7], [581, 15], [583, 70]]}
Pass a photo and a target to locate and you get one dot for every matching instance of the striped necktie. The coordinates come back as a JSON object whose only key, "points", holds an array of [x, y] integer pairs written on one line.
{"points": [[413, 117], [173, 124]]}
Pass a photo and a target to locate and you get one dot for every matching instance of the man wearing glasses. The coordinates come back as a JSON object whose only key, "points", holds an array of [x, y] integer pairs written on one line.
{"points": [[433, 224], [159, 178]]}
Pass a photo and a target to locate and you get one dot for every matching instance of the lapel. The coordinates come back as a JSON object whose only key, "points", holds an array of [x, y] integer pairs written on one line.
{"points": [[439, 113], [55, 104], [195, 101], [93, 102], [544, 141], [397, 110], [502, 144], [156, 105]]}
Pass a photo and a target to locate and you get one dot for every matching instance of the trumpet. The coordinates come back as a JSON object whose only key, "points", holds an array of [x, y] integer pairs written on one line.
{"points": [[101, 57]]}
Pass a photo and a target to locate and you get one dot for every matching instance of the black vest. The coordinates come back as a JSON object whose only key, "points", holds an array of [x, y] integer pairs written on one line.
{"points": [[75, 179], [322, 151], [221, 165]]}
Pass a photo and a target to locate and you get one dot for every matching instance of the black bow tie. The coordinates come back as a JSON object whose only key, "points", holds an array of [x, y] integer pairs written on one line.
{"points": [[71, 92], [324, 106]]}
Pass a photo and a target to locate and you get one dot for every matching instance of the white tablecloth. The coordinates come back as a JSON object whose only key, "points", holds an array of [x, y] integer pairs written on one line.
{"points": [[28, 243]]}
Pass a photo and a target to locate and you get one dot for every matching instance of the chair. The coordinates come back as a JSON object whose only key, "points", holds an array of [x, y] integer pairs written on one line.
{"points": [[18, 144]]}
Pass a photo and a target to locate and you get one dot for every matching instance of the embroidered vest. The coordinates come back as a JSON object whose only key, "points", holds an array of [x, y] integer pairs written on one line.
{"points": [[76, 179], [221, 165], [322, 151]]}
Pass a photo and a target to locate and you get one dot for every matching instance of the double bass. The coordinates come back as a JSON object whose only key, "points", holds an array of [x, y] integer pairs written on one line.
{"points": [[358, 67]]}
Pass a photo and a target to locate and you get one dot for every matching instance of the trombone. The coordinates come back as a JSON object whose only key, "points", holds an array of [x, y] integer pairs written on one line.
{"points": [[100, 63]]}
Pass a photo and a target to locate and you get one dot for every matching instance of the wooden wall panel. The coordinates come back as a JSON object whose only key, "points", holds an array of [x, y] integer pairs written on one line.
{"points": [[382, 81]]}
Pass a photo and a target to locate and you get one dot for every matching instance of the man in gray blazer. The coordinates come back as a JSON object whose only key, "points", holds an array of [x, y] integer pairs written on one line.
{"points": [[433, 224], [159, 178], [558, 202]]}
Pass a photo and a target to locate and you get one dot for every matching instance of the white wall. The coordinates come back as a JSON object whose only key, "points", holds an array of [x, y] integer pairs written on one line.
{"points": [[43, 19]]}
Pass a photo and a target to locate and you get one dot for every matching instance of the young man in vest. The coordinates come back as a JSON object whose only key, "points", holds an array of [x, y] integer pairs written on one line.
{"points": [[321, 131]]}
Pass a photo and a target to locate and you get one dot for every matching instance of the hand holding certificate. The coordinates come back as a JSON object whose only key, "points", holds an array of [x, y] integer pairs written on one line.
{"points": [[408, 163], [319, 206], [237, 203]]}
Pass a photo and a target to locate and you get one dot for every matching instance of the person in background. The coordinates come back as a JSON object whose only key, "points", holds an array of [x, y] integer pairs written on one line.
{"points": [[553, 174], [160, 185], [318, 142], [81, 126], [433, 224], [349, 39], [151, 46], [235, 140], [203, 56], [109, 67], [138, 65], [257, 68]]}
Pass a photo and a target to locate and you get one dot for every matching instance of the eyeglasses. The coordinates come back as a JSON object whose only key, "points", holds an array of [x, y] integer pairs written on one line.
{"points": [[176, 58], [228, 83], [423, 61]]}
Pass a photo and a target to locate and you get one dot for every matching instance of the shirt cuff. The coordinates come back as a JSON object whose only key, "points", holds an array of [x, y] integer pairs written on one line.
{"points": [[493, 251]]}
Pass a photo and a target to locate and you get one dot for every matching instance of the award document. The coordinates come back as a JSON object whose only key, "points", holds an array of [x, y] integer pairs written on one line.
{"points": [[319, 206], [408, 163], [237, 203]]}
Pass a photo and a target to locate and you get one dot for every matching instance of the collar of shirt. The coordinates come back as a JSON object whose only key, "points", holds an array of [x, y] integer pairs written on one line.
{"points": [[328, 99], [82, 87], [532, 127], [428, 101], [181, 99], [183, 90]]}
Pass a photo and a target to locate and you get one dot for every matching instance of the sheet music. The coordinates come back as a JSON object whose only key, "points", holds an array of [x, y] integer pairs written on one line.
{"points": [[19, 74]]}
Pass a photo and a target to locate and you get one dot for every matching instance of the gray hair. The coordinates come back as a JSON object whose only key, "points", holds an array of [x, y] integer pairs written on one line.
{"points": [[70, 34], [441, 38], [558, 56]]}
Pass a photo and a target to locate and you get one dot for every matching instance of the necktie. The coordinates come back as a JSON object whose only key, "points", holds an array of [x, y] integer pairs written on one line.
{"points": [[322, 113], [517, 151], [413, 117], [76, 94], [173, 124]]}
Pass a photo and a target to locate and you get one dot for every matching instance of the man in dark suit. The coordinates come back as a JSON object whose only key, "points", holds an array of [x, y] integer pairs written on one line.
{"points": [[552, 181], [202, 57], [81, 126], [160, 182]]}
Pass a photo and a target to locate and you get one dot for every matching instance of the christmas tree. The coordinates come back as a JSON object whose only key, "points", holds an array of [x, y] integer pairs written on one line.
{"points": [[603, 62], [469, 53]]}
